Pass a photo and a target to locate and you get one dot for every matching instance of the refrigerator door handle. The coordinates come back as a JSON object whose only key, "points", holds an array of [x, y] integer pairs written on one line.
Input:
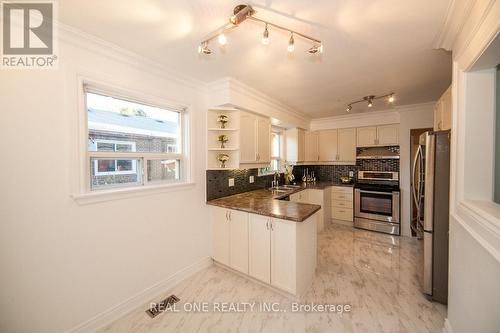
{"points": [[416, 186]]}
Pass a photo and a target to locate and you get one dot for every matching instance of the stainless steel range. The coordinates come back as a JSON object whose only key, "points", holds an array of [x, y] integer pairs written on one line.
{"points": [[376, 202]]}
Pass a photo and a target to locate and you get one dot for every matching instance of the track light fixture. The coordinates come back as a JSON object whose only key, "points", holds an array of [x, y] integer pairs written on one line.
{"points": [[244, 12], [369, 100], [265, 36], [203, 48], [291, 43], [222, 39]]}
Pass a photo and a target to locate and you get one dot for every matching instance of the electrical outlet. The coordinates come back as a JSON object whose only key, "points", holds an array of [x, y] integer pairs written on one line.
{"points": [[351, 174], [252, 179], [231, 182]]}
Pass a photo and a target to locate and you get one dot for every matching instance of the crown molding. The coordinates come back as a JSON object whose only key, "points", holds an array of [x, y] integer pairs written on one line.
{"points": [[228, 91], [80, 39], [453, 24], [382, 117], [468, 29]]}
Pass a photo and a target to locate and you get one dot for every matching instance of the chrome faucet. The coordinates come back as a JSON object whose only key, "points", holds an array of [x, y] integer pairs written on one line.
{"points": [[275, 182]]}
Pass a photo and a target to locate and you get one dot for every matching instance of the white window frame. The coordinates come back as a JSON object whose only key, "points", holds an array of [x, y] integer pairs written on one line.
{"points": [[83, 193], [107, 173], [280, 160]]}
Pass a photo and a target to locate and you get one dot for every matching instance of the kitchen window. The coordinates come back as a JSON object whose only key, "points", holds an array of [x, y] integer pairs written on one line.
{"points": [[130, 143], [276, 164]]}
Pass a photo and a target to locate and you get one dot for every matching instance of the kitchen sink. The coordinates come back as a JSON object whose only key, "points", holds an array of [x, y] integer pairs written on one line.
{"points": [[287, 187]]}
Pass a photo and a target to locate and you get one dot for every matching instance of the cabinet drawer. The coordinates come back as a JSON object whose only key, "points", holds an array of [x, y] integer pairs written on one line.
{"points": [[342, 204], [344, 214], [341, 197], [342, 189]]}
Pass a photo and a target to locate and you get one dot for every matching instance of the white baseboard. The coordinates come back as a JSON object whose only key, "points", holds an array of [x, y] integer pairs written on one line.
{"points": [[447, 326], [122, 309]]}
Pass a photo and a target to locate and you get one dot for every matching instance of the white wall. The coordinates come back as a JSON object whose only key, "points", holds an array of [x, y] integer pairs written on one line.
{"points": [[63, 263], [474, 266], [409, 117]]}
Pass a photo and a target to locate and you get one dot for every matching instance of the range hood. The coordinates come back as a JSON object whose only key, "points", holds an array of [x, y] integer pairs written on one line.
{"points": [[377, 153]]}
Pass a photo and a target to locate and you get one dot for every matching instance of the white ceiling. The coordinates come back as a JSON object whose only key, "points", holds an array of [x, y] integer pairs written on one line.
{"points": [[371, 47]]}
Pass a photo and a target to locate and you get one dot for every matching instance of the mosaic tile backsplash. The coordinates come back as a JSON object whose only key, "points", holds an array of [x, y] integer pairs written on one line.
{"points": [[218, 180]]}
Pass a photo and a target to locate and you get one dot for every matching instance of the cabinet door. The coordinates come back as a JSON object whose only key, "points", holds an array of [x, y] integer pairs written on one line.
{"points": [[437, 116], [366, 136], [388, 135], [327, 145], [259, 241], [263, 140], [446, 110], [301, 145], [248, 138], [347, 144], [238, 253], [311, 139], [283, 259], [220, 235]]}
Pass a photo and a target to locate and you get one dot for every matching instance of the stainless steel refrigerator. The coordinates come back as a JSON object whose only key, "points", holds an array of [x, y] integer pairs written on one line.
{"points": [[431, 188]]}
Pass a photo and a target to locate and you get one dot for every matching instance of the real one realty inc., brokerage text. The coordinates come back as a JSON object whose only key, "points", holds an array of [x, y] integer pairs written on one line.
{"points": [[232, 307]]}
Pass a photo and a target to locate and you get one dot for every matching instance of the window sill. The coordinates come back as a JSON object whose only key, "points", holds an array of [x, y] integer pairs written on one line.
{"points": [[487, 213], [130, 192]]}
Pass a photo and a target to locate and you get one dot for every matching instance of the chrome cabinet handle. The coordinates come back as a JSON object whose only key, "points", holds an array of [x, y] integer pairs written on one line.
{"points": [[272, 229], [230, 216], [227, 218], [267, 224]]}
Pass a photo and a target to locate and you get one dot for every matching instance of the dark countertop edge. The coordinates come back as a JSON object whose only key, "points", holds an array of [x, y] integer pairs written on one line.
{"points": [[251, 211]]}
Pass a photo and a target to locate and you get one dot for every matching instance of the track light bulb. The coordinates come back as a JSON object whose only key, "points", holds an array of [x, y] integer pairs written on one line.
{"points": [[222, 39], [203, 48], [349, 108], [370, 103], [265, 36], [391, 99], [291, 44]]}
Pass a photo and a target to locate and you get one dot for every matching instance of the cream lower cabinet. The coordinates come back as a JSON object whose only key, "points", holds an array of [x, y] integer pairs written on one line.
{"points": [[282, 253], [315, 197], [230, 238], [342, 204]]}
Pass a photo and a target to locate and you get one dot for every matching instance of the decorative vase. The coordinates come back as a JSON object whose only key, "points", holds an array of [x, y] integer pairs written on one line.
{"points": [[222, 158], [222, 139], [222, 119]]}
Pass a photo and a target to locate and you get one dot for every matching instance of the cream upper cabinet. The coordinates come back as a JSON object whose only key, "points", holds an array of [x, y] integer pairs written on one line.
{"points": [[263, 140], [367, 136], [442, 111], [295, 145], [311, 145], [255, 139], [347, 144], [388, 135], [248, 138], [384, 135], [328, 145]]}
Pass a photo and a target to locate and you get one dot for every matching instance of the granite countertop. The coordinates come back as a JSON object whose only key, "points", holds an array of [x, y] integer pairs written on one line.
{"points": [[266, 202]]}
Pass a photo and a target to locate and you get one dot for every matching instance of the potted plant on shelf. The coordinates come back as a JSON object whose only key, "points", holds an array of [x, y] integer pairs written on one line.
{"points": [[222, 158], [222, 119], [222, 139]]}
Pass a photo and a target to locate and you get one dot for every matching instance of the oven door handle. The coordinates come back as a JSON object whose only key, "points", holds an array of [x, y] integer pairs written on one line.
{"points": [[374, 192]]}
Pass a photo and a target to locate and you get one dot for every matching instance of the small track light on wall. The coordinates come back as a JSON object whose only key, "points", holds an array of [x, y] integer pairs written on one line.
{"points": [[265, 36], [291, 43], [244, 12], [369, 100]]}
